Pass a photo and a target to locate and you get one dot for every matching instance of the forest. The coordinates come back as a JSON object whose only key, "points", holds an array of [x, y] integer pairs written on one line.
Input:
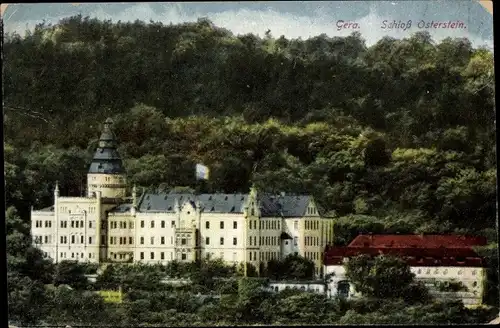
{"points": [[398, 137]]}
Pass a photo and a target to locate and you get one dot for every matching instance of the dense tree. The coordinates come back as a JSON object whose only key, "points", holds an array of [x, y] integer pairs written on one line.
{"points": [[376, 277], [396, 137]]}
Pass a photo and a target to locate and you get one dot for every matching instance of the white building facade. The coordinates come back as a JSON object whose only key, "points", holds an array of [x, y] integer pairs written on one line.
{"points": [[107, 226], [448, 272]]}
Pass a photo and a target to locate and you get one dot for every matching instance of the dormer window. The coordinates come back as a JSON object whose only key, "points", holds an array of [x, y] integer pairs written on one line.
{"points": [[225, 198]]}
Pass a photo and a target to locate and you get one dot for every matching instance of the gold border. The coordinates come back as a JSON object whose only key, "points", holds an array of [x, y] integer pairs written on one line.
{"points": [[487, 4]]}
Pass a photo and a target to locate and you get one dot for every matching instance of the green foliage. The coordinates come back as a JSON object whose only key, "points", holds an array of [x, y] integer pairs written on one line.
{"points": [[376, 277], [292, 267], [405, 143], [70, 273]]}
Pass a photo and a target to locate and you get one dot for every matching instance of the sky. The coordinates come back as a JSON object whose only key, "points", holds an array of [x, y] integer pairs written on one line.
{"points": [[293, 19]]}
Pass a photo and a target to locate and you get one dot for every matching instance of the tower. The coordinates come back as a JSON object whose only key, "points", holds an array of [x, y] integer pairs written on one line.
{"points": [[106, 172]]}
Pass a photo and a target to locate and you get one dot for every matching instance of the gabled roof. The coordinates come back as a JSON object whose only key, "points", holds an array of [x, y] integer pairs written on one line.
{"points": [[285, 206], [271, 206], [414, 256], [418, 241]]}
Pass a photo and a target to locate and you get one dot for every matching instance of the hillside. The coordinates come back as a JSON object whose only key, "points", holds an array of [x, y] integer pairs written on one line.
{"points": [[397, 137]]}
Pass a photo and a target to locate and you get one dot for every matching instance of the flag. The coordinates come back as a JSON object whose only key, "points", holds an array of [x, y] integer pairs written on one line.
{"points": [[202, 172]]}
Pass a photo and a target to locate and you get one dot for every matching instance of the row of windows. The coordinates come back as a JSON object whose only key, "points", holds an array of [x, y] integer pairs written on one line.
{"points": [[76, 224], [311, 210], [182, 256], [311, 225], [39, 224], [445, 271], [267, 256], [221, 225], [75, 240], [74, 255], [311, 241], [123, 224], [312, 255], [121, 240], [221, 241], [64, 209]]}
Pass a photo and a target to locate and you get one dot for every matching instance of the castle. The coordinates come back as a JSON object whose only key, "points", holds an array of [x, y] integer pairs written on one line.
{"points": [[110, 226]]}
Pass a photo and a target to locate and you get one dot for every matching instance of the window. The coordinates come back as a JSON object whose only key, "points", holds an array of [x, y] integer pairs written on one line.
{"points": [[130, 240], [207, 225], [183, 256], [142, 224], [207, 241], [250, 256], [142, 240], [90, 224], [235, 241], [222, 224], [90, 240], [162, 255], [183, 241], [163, 240], [163, 224], [222, 240], [278, 225], [152, 224], [73, 239], [173, 224], [152, 240], [131, 225], [72, 224], [81, 225], [142, 255], [152, 255], [81, 240], [235, 225]]}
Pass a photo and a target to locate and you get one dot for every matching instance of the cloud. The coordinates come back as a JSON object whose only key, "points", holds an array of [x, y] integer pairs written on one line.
{"points": [[242, 21]]}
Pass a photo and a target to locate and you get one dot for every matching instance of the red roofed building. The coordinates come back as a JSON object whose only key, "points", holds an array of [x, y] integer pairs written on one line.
{"points": [[420, 241], [434, 259]]}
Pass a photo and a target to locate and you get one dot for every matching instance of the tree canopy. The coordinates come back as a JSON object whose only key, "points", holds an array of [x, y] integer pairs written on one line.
{"points": [[396, 137]]}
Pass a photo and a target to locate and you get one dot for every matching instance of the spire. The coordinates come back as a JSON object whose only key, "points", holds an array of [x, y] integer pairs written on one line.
{"points": [[106, 158], [107, 139], [56, 189]]}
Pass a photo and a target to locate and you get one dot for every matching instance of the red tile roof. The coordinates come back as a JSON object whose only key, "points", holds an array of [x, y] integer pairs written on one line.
{"points": [[418, 241], [465, 257]]}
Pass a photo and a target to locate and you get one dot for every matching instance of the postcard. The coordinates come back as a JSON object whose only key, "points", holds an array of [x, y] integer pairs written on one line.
{"points": [[250, 163]]}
